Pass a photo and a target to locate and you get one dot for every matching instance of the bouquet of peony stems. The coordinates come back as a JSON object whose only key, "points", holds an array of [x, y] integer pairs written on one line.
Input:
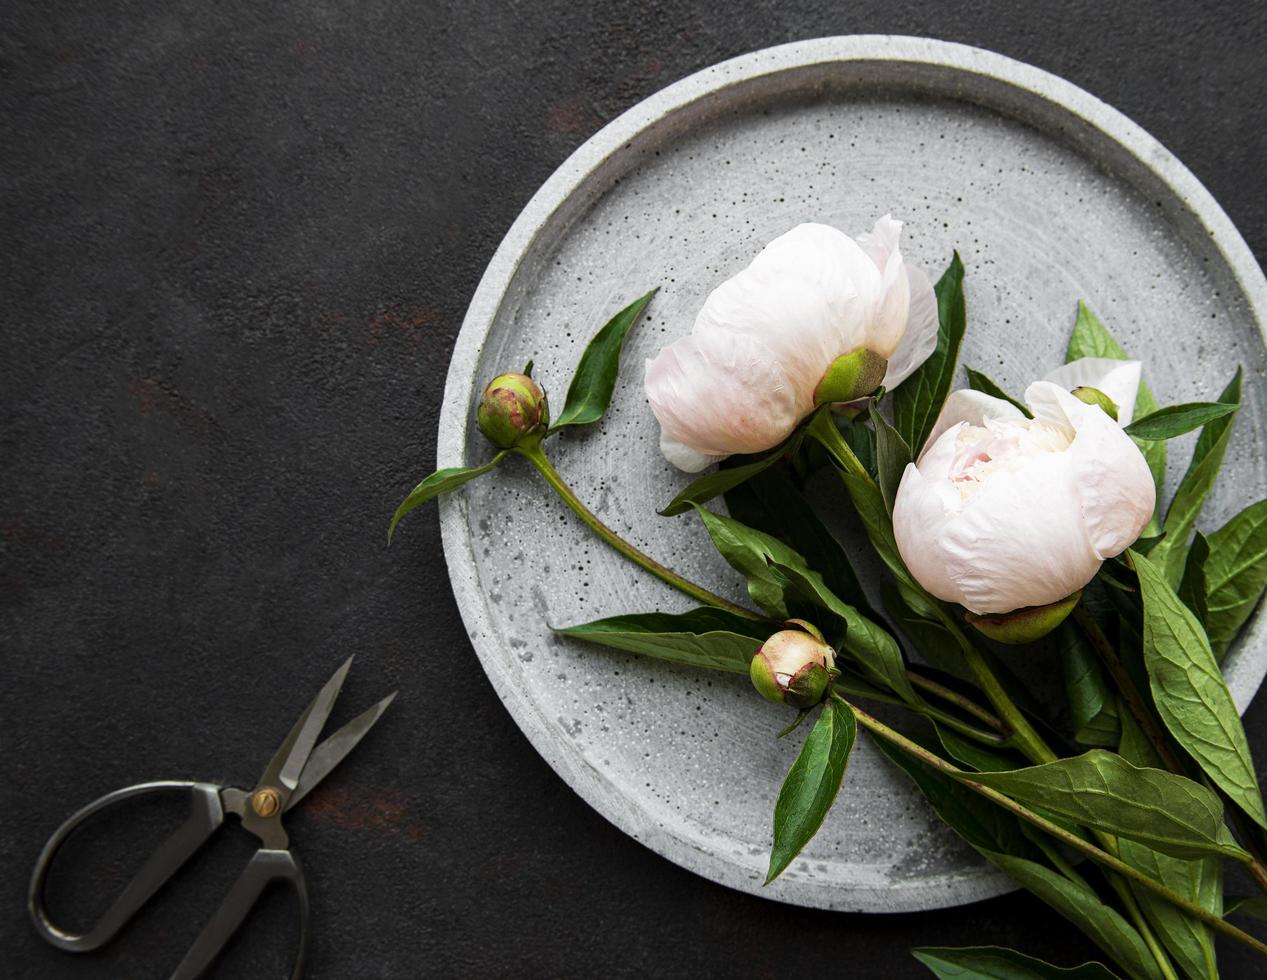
{"points": [[1001, 523]]}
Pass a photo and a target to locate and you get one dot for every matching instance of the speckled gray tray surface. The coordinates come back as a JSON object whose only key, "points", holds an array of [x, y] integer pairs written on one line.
{"points": [[1048, 194]]}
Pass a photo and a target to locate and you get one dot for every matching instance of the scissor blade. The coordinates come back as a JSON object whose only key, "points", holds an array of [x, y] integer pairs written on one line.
{"points": [[292, 755], [332, 751]]}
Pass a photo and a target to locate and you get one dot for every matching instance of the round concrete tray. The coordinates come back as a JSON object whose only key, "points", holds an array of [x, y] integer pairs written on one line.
{"points": [[1049, 195]]}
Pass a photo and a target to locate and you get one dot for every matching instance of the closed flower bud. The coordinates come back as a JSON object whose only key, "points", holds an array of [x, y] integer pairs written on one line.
{"points": [[793, 667], [513, 410]]}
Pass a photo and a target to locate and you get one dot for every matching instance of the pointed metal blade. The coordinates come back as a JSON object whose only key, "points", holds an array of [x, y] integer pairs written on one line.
{"points": [[292, 755], [332, 751]]}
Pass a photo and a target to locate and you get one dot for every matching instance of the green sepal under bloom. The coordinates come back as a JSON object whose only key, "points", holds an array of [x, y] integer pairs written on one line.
{"points": [[1024, 625], [851, 376], [513, 411], [1094, 396]]}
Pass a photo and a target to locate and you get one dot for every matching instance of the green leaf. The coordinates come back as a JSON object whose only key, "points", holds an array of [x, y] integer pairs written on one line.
{"points": [[771, 503], [750, 553], [1255, 906], [441, 481], [998, 963], [712, 639], [723, 480], [932, 640], [870, 645], [918, 400], [1103, 791], [811, 784], [973, 754], [1191, 696], [1185, 508], [1235, 575], [979, 382], [997, 834], [1083, 907], [863, 491], [595, 379], [892, 454], [1092, 705], [1188, 940], [983, 824], [1193, 587], [1175, 420], [1091, 339]]}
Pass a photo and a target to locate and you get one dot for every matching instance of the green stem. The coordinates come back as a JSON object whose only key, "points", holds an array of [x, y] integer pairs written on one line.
{"points": [[950, 696], [537, 458], [1100, 856], [1026, 737], [1130, 693]]}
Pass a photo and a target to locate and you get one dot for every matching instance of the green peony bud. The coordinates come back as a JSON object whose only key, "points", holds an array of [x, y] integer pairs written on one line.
{"points": [[513, 410], [1094, 396], [1024, 625], [793, 667], [851, 376]]}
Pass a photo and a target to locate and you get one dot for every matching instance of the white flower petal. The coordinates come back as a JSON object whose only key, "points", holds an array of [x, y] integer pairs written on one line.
{"points": [[973, 407], [1117, 379], [720, 393], [922, 323], [1110, 475], [684, 457]]}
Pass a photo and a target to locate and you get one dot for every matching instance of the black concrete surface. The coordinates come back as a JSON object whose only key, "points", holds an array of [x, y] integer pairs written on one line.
{"points": [[237, 243]]}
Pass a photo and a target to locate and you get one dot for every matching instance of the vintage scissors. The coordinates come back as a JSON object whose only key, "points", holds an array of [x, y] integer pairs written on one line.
{"points": [[298, 765]]}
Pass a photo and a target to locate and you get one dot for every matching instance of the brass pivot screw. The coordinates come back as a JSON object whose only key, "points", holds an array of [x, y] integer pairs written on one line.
{"points": [[265, 802]]}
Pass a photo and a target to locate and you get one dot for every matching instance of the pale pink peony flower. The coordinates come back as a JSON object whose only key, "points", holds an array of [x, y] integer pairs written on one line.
{"points": [[1001, 512], [755, 362]]}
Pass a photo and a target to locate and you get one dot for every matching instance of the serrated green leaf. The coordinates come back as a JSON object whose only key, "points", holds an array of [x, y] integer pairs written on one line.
{"points": [[723, 480], [1198, 480], [1175, 420], [592, 385], [711, 639], [811, 784], [1235, 575], [1188, 940], [1091, 339], [870, 645], [1191, 696], [1103, 791], [1092, 706], [892, 455], [918, 400], [441, 481], [979, 382], [998, 963]]}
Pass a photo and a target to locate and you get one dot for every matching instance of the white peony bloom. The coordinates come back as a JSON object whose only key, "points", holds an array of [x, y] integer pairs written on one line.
{"points": [[775, 341], [1002, 512]]}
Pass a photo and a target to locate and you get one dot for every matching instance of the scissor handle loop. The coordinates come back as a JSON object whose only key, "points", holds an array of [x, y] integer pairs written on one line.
{"points": [[206, 814], [267, 867]]}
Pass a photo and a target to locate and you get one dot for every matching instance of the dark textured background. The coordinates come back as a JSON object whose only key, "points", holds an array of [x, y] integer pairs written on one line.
{"points": [[238, 241]]}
